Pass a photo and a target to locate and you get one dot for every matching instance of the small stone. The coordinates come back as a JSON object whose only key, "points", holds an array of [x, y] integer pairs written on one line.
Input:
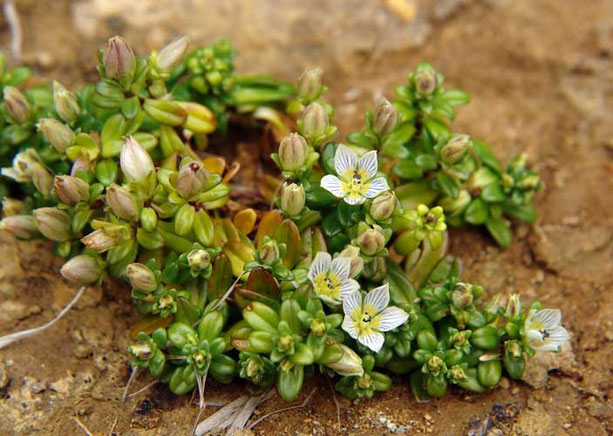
{"points": [[12, 311], [4, 375], [382, 420], [428, 417], [504, 383], [567, 425]]}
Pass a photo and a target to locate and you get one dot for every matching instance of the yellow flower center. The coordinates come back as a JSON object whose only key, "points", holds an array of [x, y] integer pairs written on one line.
{"points": [[366, 320], [355, 183], [328, 284]]}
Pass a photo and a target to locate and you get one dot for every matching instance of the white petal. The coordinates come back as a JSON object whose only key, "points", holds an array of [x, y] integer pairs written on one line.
{"points": [[374, 341], [354, 200], [559, 336], [345, 159], [379, 297], [368, 162], [392, 317], [341, 266], [550, 318], [333, 185], [351, 302], [377, 186], [349, 327], [10, 173], [320, 264], [348, 287]]}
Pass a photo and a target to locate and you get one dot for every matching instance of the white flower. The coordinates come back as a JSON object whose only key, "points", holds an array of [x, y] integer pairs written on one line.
{"points": [[331, 279], [366, 320], [544, 330], [356, 180]]}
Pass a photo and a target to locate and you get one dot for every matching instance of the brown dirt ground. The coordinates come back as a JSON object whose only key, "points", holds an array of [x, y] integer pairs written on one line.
{"points": [[539, 72]]}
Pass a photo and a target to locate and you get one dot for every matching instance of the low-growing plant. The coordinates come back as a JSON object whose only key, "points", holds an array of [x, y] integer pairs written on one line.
{"points": [[348, 274]]}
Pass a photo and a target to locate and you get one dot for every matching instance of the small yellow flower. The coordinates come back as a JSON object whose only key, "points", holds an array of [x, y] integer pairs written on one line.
{"points": [[330, 278], [365, 320], [356, 180], [544, 330]]}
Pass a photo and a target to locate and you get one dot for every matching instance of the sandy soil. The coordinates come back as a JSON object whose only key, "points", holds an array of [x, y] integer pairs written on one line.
{"points": [[539, 72]]}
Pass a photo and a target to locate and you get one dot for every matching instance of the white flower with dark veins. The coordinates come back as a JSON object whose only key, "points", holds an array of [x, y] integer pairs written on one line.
{"points": [[356, 180], [367, 319], [544, 330], [330, 278]]}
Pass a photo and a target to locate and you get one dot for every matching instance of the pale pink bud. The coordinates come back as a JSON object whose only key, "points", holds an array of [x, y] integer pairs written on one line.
{"points": [[192, 178], [53, 223], [122, 202], [136, 164], [71, 190], [22, 226], [119, 59], [81, 269]]}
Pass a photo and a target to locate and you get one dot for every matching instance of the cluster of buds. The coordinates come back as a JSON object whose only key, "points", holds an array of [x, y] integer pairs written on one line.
{"points": [[348, 275]]}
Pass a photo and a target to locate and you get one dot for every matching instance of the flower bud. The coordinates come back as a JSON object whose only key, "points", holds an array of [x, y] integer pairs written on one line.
{"points": [[457, 374], [42, 178], [514, 306], [425, 82], [462, 295], [21, 226], [293, 152], [141, 350], [12, 206], [318, 327], [122, 202], [192, 179], [171, 55], [198, 259], [269, 253], [309, 85], [17, 104], [376, 269], [141, 278], [529, 182], [357, 263], [455, 149], [135, 162], [99, 240], [58, 134], [119, 59], [255, 368], [513, 348], [371, 241], [79, 164], [350, 364], [292, 199], [385, 117], [71, 190], [53, 223], [65, 103], [383, 206], [435, 364], [315, 121], [81, 269]]}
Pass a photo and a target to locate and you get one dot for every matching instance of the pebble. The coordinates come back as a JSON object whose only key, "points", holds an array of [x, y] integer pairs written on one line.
{"points": [[504, 383], [4, 375], [567, 425]]}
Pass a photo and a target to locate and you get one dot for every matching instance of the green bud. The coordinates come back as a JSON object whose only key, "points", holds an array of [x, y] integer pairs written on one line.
{"points": [[100, 240], [141, 350], [58, 134], [148, 219], [198, 259], [309, 85], [171, 55], [385, 117], [318, 327], [21, 226], [66, 103], [371, 241], [53, 223], [135, 162], [485, 337], [119, 59], [191, 179], [200, 119], [425, 82], [81, 269], [165, 112], [71, 190], [315, 121], [529, 182], [435, 364], [383, 206], [292, 199], [455, 149], [141, 277], [122, 202], [293, 152], [350, 364], [17, 105], [457, 374], [376, 269], [357, 263], [285, 343], [462, 296], [489, 373]]}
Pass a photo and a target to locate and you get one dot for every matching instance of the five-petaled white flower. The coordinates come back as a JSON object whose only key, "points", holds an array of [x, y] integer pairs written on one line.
{"points": [[356, 180], [544, 330], [366, 320], [331, 279]]}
